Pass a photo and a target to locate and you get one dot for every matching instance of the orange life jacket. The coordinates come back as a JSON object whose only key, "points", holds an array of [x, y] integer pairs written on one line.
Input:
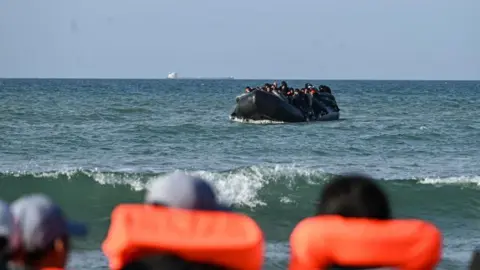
{"points": [[226, 239], [322, 241]]}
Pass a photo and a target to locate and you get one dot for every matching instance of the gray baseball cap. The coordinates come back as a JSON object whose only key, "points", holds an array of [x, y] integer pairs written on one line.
{"points": [[41, 221], [180, 190]]}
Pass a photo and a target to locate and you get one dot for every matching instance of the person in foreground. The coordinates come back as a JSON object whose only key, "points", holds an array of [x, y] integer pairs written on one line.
{"points": [[182, 226], [44, 234], [353, 229], [475, 263], [8, 234]]}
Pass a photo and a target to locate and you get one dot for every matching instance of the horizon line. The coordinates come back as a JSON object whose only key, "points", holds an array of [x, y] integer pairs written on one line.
{"points": [[225, 78]]}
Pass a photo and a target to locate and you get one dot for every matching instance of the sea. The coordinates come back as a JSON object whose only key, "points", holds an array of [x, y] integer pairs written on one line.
{"points": [[92, 144]]}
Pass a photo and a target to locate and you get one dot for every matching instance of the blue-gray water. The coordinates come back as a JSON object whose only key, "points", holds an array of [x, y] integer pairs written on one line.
{"points": [[92, 144]]}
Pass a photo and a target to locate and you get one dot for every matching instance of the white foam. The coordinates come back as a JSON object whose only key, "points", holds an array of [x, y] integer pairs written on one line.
{"points": [[452, 180], [242, 186], [257, 122]]}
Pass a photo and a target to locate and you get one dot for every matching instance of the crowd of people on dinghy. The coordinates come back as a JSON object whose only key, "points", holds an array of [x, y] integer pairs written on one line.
{"points": [[301, 98]]}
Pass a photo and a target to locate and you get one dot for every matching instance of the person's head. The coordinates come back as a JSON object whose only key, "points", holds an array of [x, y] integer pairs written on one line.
{"points": [[354, 195], [248, 89], [324, 88], [475, 262], [180, 190], [44, 232]]}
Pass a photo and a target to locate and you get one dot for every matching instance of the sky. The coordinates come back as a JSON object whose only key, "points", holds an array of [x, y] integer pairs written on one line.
{"points": [[254, 39]]}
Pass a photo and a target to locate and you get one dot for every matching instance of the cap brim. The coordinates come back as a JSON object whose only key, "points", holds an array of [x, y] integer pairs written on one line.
{"points": [[77, 229]]}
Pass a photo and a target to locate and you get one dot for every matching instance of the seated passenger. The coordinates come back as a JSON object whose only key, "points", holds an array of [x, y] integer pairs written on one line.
{"points": [[248, 89], [325, 89], [283, 88], [44, 234], [353, 229], [289, 95], [182, 226], [326, 96], [355, 196], [180, 190], [311, 91], [299, 101], [274, 85]]}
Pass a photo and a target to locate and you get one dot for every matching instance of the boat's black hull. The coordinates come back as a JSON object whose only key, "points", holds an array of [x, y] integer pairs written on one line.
{"points": [[260, 105]]}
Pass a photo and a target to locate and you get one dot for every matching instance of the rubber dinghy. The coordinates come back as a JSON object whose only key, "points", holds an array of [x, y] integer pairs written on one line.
{"points": [[261, 105]]}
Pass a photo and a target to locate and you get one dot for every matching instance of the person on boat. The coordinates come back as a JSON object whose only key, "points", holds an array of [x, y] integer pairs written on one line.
{"points": [[324, 88], [284, 88], [44, 234], [353, 227], [182, 226], [289, 95], [300, 100], [274, 85], [248, 89], [312, 90], [326, 96], [266, 88]]}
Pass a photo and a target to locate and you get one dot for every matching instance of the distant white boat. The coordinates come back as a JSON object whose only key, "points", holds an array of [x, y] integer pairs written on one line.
{"points": [[172, 75]]}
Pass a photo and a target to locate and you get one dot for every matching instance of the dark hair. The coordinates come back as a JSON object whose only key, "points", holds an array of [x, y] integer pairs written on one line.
{"points": [[324, 88], [475, 263], [4, 254], [3, 244], [354, 195], [167, 262]]}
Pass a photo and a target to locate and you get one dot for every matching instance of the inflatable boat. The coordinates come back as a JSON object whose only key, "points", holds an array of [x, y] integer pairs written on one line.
{"points": [[262, 105]]}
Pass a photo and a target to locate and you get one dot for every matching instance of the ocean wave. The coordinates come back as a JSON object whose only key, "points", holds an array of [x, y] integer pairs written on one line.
{"points": [[247, 186]]}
